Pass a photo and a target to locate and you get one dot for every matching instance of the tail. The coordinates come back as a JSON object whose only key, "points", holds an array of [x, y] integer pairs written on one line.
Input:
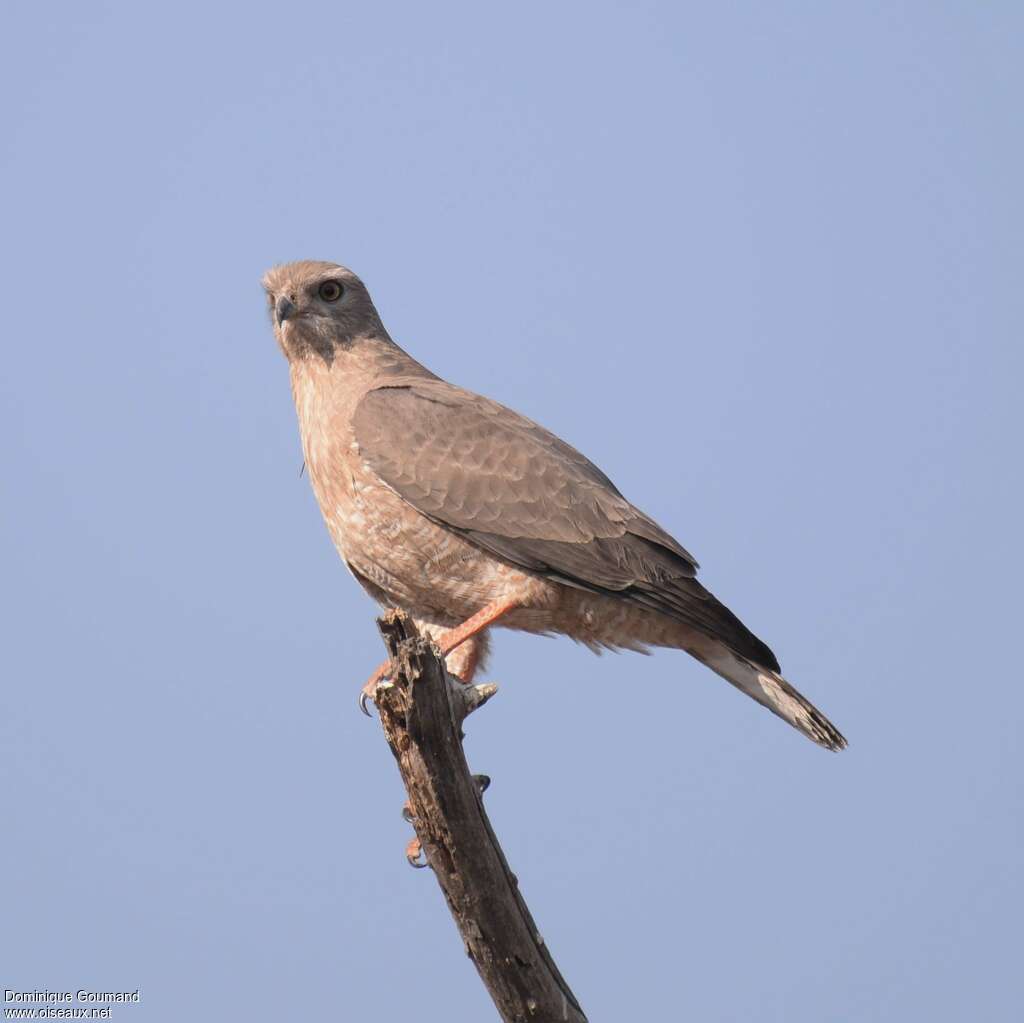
{"points": [[771, 690]]}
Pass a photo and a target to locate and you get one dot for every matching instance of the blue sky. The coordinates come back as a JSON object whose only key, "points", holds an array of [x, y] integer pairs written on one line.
{"points": [[761, 262]]}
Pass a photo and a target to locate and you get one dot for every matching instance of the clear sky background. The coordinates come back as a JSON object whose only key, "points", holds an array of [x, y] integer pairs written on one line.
{"points": [[761, 262]]}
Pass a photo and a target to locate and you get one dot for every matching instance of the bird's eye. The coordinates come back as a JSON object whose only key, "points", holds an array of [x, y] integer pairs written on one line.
{"points": [[330, 291]]}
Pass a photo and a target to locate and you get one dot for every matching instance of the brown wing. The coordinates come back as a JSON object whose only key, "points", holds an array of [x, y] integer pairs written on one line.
{"points": [[517, 491]]}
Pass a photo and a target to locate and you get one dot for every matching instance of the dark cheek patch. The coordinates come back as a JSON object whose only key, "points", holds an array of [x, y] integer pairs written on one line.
{"points": [[311, 342]]}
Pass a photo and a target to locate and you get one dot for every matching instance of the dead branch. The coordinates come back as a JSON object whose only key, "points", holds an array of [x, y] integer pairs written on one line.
{"points": [[422, 710]]}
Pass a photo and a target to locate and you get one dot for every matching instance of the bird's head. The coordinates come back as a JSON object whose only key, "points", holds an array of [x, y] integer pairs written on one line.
{"points": [[318, 308]]}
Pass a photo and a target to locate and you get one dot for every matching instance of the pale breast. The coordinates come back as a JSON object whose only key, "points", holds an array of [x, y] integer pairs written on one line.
{"points": [[400, 556]]}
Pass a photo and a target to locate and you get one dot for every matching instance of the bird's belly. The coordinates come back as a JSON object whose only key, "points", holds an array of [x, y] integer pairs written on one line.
{"points": [[404, 559]]}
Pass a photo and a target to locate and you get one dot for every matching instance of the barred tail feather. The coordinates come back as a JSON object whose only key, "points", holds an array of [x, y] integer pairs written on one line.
{"points": [[771, 690]]}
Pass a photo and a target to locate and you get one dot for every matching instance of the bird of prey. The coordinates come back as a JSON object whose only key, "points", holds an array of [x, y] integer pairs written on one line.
{"points": [[466, 514]]}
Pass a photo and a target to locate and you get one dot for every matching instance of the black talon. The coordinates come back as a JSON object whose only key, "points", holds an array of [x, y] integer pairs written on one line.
{"points": [[413, 852], [362, 704]]}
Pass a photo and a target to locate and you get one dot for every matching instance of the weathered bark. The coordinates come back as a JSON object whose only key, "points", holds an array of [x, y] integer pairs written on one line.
{"points": [[422, 711]]}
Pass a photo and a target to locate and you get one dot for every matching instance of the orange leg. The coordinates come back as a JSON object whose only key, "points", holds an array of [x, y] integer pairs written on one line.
{"points": [[467, 659], [448, 642]]}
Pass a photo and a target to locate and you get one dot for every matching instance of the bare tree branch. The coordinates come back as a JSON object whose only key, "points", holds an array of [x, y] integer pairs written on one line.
{"points": [[422, 711]]}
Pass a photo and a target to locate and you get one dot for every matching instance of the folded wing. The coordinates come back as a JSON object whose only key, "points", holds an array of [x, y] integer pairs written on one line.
{"points": [[518, 492]]}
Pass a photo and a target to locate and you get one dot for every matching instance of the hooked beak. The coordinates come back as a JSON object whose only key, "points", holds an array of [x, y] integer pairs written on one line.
{"points": [[284, 308]]}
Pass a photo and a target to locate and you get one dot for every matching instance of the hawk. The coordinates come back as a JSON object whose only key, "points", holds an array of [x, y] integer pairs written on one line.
{"points": [[466, 514]]}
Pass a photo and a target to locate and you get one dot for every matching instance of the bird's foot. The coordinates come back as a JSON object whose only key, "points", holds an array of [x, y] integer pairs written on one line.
{"points": [[369, 691], [380, 676], [448, 642], [413, 853], [414, 850]]}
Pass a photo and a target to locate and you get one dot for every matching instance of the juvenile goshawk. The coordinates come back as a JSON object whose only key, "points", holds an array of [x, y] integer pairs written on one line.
{"points": [[466, 514]]}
